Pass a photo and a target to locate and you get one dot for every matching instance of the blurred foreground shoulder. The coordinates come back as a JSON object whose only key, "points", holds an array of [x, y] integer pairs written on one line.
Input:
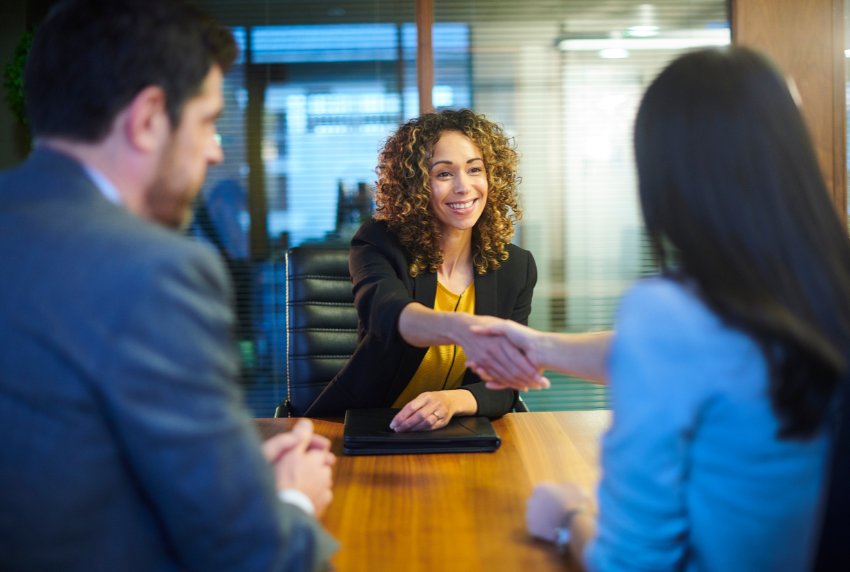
{"points": [[663, 305]]}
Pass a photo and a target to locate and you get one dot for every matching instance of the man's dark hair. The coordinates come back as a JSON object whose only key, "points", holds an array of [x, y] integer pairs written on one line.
{"points": [[90, 58], [731, 187]]}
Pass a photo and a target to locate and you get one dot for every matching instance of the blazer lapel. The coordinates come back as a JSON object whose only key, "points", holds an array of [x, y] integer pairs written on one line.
{"points": [[486, 294], [424, 292], [425, 289]]}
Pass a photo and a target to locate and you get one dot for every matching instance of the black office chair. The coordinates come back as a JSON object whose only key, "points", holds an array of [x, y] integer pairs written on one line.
{"points": [[521, 406], [321, 325]]}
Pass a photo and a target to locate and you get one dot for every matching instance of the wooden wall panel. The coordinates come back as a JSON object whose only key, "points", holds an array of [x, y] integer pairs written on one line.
{"points": [[425, 53], [806, 38]]}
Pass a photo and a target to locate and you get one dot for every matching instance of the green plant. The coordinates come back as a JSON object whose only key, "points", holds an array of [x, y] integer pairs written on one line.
{"points": [[14, 78]]}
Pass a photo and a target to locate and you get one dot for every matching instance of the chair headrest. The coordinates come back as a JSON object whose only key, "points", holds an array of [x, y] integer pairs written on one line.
{"points": [[305, 260]]}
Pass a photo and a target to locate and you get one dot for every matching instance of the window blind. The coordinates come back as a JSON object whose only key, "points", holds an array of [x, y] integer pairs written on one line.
{"points": [[321, 84], [565, 78]]}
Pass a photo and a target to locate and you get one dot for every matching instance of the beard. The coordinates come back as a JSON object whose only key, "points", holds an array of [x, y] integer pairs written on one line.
{"points": [[169, 198], [169, 207]]}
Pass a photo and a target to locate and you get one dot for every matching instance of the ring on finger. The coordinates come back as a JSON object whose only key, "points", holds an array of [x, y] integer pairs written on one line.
{"points": [[434, 413]]}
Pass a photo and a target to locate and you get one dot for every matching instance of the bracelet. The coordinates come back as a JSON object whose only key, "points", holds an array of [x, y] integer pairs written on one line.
{"points": [[562, 532]]}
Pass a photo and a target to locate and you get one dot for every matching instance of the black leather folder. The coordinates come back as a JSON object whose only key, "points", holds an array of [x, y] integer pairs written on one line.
{"points": [[367, 432]]}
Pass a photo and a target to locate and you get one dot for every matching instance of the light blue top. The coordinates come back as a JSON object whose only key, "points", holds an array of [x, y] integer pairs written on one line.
{"points": [[694, 477]]}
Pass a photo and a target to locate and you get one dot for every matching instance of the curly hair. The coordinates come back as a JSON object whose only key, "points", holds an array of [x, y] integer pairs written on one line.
{"points": [[403, 193]]}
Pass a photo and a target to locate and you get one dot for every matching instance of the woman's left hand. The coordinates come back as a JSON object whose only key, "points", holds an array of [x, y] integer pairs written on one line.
{"points": [[548, 504], [430, 410]]}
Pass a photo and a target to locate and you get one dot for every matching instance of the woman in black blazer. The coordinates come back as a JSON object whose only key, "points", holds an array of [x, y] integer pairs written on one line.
{"points": [[435, 260]]}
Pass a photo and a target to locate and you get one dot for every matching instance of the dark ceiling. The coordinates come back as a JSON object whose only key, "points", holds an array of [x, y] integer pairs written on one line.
{"points": [[672, 13]]}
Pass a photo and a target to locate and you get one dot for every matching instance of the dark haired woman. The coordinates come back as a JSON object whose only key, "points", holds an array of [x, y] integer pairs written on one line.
{"points": [[435, 258], [724, 371]]}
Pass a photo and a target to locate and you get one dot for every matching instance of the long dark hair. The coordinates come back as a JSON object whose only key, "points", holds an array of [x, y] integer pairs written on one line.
{"points": [[730, 187]]}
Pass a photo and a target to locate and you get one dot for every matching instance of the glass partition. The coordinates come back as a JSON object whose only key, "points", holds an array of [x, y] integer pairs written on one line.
{"points": [[320, 85], [565, 78]]}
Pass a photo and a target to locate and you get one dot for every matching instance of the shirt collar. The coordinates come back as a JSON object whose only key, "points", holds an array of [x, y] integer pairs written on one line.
{"points": [[103, 184]]}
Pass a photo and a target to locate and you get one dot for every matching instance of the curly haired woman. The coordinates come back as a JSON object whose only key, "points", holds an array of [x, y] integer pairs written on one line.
{"points": [[434, 260]]}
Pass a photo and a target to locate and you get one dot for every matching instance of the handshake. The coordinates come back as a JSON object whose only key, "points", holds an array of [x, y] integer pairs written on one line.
{"points": [[505, 354]]}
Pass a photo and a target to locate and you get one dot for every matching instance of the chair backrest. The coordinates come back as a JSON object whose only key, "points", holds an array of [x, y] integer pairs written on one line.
{"points": [[321, 323]]}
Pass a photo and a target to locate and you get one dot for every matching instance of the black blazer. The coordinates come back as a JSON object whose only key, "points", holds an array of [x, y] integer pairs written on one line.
{"points": [[383, 363]]}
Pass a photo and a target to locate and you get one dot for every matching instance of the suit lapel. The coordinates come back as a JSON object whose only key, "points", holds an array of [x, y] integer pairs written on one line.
{"points": [[424, 292], [486, 294], [425, 289]]}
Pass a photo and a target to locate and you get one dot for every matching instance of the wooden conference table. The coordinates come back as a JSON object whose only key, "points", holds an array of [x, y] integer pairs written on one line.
{"points": [[464, 511]]}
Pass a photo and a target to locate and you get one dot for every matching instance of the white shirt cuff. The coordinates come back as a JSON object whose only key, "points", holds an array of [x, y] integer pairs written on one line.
{"points": [[297, 498]]}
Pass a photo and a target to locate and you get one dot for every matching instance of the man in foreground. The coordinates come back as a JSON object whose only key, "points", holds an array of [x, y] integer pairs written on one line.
{"points": [[125, 445]]}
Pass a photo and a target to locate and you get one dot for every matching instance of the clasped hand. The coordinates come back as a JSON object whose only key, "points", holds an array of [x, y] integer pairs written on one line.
{"points": [[302, 460]]}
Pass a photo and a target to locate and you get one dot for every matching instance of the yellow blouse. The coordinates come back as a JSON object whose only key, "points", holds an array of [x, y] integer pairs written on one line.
{"points": [[443, 366]]}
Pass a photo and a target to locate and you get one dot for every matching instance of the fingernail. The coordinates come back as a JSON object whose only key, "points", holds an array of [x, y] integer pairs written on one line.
{"points": [[392, 426]]}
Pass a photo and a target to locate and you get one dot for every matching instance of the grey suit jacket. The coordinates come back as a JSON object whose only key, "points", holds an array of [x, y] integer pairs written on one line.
{"points": [[124, 444]]}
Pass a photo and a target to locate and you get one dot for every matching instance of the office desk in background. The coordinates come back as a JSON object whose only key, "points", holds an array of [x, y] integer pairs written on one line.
{"points": [[460, 512]]}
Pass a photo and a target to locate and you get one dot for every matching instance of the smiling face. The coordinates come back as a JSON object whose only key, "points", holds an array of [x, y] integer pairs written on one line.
{"points": [[458, 182]]}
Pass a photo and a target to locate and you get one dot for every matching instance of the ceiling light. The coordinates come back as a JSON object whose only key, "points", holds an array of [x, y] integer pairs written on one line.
{"points": [[613, 53], [641, 31], [668, 40]]}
